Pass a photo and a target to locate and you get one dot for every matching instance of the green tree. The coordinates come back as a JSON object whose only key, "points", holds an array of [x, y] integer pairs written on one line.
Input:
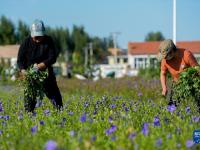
{"points": [[80, 40], [154, 36], [7, 31], [22, 32]]}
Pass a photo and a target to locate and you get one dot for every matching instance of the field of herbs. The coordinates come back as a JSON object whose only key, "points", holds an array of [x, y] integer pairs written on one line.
{"points": [[120, 114]]}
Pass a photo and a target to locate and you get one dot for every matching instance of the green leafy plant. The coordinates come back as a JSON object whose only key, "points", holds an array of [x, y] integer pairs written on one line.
{"points": [[33, 82], [188, 84]]}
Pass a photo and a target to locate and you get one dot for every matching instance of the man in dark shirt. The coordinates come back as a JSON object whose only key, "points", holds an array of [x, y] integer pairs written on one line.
{"points": [[39, 50]]}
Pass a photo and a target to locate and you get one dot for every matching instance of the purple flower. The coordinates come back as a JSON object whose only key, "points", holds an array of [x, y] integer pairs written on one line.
{"points": [[41, 122], [1, 107], [171, 108], [1, 132], [53, 101], [34, 129], [112, 106], [110, 119], [145, 129], [83, 118], [126, 109], [51, 145], [86, 104], [159, 142], [95, 112], [34, 114], [187, 109], [196, 119], [112, 129], [156, 121], [6, 117], [93, 138], [113, 138], [132, 135], [47, 112], [71, 113], [140, 94], [189, 143]]}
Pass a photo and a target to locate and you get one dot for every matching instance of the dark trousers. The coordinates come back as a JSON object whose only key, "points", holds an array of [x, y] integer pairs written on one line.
{"points": [[170, 95], [52, 92]]}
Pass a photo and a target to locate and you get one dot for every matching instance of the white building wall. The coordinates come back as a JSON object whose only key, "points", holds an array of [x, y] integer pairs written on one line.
{"points": [[140, 61]]}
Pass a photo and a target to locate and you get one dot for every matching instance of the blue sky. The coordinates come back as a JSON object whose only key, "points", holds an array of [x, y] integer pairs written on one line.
{"points": [[134, 19]]}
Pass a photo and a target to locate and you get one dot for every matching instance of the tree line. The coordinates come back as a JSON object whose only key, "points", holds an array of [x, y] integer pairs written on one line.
{"points": [[70, 45]]}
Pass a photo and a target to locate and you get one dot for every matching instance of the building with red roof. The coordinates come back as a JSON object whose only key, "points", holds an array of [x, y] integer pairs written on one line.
{"points": [[144, 54]]}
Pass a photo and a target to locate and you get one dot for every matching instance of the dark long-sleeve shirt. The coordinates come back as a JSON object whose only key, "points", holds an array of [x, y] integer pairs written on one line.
{"points": [[31, 52]]}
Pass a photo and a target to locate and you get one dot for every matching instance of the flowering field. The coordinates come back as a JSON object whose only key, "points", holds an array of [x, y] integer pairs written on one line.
{"points": [[109, 114]]}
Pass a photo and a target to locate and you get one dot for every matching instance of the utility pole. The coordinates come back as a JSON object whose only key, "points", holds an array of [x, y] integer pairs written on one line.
{"points": [[91, 53], [114, 36], [86, 57], [174, 21]]}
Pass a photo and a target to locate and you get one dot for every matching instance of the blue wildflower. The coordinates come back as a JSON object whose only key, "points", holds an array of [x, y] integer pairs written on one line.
{"points": [[86, 104], [110, 119], [51, 145], [6, 117], [41, 122], [95, 112], [34, 114], [140, 94], [156, 121], [47, 112], [112, 106], [53, 101], [159, 142], [196, 119], [112, 129], [83, 117], [123, 104], [34, 129], [126, 109], [113, 138], [93, 138], [189, 143], [1, 132], [1, 107], [132, 135], [171, 108], [145, 129], [187, 109], [71, 113]]}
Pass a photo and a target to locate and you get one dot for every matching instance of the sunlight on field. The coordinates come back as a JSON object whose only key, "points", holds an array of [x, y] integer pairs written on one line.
{"points": [[108, 114]]}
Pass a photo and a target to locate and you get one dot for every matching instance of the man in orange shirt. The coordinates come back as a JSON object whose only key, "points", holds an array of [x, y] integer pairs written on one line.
{"points": [[174, 60]]}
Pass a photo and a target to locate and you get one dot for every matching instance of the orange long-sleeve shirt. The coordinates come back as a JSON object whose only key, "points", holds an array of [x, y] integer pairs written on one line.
{"points": [[182, 60]]}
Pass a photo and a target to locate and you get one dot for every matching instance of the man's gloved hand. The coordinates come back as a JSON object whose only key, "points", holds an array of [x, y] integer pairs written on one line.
{"points": [[41, 66], [22, 74]]}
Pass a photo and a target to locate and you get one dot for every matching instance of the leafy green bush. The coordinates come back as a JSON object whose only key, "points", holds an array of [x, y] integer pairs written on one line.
{"points": [[188, 84], [33, 82]]}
